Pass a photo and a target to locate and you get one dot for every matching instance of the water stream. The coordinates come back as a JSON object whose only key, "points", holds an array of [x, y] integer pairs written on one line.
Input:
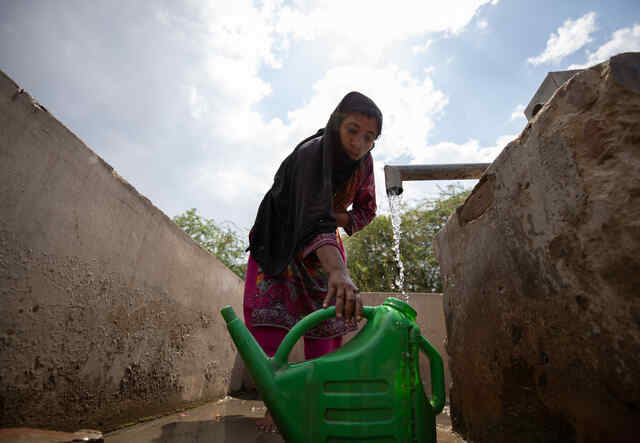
{"points": [[395, 202]]}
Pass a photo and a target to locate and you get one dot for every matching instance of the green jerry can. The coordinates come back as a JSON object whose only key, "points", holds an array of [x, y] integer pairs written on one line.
{"points": [[367, 390]]}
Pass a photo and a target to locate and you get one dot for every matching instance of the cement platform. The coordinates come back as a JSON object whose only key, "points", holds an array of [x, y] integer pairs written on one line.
{"points": [[231, 419]]}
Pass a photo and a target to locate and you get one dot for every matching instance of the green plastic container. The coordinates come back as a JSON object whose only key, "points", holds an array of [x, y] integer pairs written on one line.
{"points": [[367, 390]]}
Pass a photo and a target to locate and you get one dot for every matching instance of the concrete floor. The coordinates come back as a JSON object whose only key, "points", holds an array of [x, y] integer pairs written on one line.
{"points": [[231, 419]]}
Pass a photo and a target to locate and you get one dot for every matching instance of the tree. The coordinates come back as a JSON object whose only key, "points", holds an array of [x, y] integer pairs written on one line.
{"points": [[370, 258], [221, 241]]}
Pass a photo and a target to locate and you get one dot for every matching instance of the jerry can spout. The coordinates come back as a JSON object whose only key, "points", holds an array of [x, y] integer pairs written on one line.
{"points": [[255, 359]]}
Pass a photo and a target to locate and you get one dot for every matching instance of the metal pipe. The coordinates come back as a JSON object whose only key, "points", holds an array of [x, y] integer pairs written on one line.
{"points": [[395, 174]]}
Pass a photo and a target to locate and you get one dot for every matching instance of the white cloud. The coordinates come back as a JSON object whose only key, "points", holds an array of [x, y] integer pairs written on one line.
{"points": [[238, 29], [622, 40], [177, 89], [356, 18], [410, 106], [250, 148], [468, 152], [236, 39], [421, 49], [197, 103], [518, 112], [482, 24], [569, 38], [442, 153], [358, 32]]}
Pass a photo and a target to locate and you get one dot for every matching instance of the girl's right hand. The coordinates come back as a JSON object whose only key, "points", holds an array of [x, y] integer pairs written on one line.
{"points": [[348, 302], [340, 285]]}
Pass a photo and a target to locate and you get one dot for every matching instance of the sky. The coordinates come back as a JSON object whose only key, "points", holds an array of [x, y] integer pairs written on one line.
{"points": [[196, 103]]}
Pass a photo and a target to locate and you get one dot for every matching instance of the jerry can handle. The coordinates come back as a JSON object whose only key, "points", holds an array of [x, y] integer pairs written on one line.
{"points": [[437, 375], [281, 356]]}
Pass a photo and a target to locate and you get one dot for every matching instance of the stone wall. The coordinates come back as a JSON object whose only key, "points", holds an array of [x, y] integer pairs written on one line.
{"points": [[541, 270], [109, 311]]}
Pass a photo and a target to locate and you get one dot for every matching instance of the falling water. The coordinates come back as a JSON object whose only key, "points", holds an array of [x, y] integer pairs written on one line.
{"points": [[394, 204]]}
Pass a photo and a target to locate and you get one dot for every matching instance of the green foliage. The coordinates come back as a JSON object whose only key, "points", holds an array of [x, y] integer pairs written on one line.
{"points": [[370, 258], [221, 241]]}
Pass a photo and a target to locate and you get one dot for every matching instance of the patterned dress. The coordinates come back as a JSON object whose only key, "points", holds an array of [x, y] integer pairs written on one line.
{"points": [[282, 300]]}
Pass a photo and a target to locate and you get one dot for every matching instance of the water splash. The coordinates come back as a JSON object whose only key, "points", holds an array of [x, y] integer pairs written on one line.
{"points": [[395, 202]]}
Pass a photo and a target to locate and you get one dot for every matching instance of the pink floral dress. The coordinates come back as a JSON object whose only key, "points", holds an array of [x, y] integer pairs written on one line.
{"points": [[282, 300]]}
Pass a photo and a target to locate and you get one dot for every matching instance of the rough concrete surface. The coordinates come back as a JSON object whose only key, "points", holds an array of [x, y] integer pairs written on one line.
{"points": [[541, 269], [230, 419], [551, 82], [109, 311]]}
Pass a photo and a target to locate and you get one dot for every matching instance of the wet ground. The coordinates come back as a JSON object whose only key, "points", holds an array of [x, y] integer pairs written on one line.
{"points": [[231, 419]]}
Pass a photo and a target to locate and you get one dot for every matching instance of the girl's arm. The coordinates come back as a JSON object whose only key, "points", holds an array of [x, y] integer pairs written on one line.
{"points": [[342, 219], [364, 203], [340, 285]]}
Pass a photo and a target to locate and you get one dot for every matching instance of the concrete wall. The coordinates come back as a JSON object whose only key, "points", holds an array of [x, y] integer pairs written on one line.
{"points": [[549, 85], [109, 311]]}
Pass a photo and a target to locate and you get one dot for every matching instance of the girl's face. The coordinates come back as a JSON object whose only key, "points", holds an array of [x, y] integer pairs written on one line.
{"points": [[357, 134]]}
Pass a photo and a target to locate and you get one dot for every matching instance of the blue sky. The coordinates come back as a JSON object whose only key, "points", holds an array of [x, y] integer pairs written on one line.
{"points": [[196, 103]]}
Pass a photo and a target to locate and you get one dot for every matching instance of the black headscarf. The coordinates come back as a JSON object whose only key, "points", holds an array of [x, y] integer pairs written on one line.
{"points": [[299, 204]]}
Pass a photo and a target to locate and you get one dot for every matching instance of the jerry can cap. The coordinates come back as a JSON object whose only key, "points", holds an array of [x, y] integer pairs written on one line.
{"points": [[402, 307]]}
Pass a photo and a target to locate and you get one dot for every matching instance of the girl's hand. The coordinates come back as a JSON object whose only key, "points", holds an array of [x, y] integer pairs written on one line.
{"points": [[340, 286], [348, 303]]}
